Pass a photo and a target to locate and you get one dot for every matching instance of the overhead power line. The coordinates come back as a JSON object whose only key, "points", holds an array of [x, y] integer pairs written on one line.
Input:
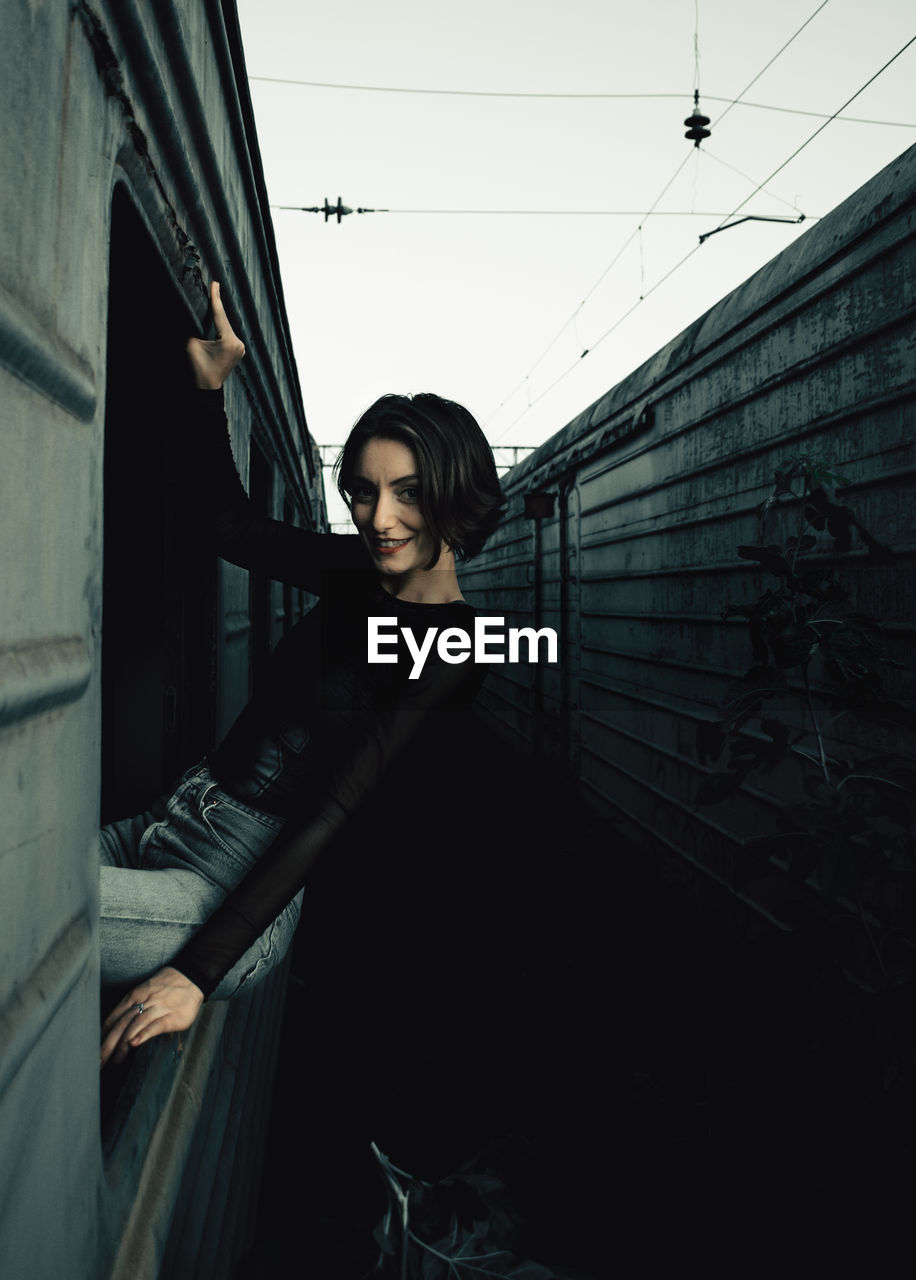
{"points": [[516, 213], [677, 266], [779, 168], [584, 97], [753, 181], [816, 115], [456, 93], [555, 339], [638, 231], [769, 64]]}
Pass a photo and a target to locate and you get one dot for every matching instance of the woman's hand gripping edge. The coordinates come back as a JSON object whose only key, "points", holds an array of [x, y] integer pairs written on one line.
{"points": [[167, 1001], [213, 361]]}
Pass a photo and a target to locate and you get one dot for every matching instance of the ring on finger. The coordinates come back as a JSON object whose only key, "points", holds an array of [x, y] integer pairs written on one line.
{"points": [[139, 1007]]}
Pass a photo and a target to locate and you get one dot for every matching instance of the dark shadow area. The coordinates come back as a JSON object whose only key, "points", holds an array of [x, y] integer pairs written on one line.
{"points": [[159, 588], [487, 964], [450, 990]]}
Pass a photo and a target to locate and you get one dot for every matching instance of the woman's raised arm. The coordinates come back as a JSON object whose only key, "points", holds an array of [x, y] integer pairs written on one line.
{"points": [[213, 361], [214, 491]]}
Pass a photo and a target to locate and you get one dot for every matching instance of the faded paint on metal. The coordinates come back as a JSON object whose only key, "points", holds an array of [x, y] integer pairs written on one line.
{"points": [[815, 353]]}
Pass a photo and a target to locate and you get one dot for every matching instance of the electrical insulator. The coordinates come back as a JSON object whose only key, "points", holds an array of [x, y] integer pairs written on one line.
{"points": [[696, 123], [340, 209]]}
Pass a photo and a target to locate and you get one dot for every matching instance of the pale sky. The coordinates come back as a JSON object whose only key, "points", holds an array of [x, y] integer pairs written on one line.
{"points": [[466, 305]]}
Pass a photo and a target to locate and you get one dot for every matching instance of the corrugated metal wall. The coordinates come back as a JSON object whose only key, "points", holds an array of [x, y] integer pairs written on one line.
{"points": [[657, 484], [149, 100]]}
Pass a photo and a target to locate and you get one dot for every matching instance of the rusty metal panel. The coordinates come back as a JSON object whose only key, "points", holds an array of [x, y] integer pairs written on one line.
{"points": [[660, 482]]}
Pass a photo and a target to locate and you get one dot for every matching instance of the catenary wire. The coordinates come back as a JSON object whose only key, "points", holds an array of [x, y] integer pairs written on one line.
{"points": [[575, 313], [575, 364], [457, 93], [547, 213], [823, 126], [668, 184], [491, 93], [769, 64], [668, 274], [820, 115], [617, 256], [741, 174]]}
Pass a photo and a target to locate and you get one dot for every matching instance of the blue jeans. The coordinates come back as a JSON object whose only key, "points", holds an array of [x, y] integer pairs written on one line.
{"points": [[163, 873]]}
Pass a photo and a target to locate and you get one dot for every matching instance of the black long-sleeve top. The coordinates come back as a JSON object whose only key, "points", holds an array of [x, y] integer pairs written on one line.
{"points": [[317, 740]]}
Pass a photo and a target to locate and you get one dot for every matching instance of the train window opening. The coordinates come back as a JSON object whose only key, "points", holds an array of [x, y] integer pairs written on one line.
{"points": [[158, 588], [158, 612]]}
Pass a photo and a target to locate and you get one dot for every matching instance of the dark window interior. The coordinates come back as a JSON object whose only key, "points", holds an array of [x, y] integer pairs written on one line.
{"points": [[289, 516], [259, 587], [159, 584]]}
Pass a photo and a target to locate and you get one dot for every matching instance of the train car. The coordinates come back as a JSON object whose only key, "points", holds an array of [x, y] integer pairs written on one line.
{"points": [[623, 533], [131, 178]]}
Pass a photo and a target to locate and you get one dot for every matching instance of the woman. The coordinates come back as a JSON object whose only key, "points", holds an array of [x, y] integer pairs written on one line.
{"points": [[203, 892]]}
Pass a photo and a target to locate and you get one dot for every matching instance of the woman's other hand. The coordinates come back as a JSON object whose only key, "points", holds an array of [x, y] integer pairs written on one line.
{"points": [[168, 1001], [212, 362]]}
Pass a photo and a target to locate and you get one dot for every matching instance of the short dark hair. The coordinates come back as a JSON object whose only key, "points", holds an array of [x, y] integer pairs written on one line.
{"points": [[460, 497]]}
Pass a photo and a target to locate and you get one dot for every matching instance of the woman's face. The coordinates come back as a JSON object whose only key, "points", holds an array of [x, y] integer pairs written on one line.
{"points": [[385, 506]]}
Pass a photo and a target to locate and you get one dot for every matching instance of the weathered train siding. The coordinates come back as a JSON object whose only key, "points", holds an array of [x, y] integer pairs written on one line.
{"points": [[108, 105], [656, 485]]}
